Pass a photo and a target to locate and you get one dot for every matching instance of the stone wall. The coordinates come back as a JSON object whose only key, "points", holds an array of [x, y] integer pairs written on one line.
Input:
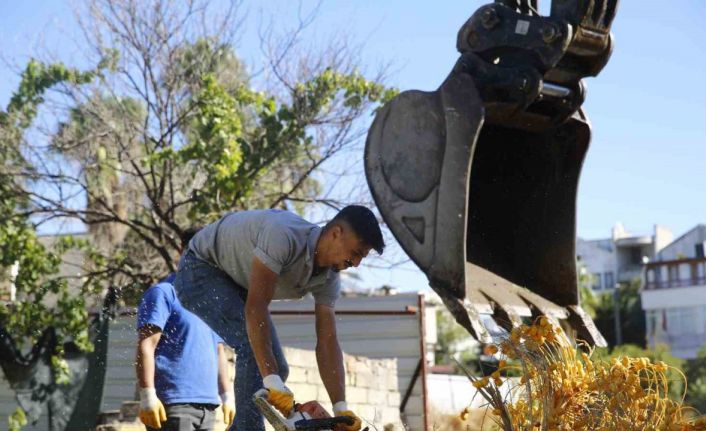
{"points": [[371, 386], [371, 391]]}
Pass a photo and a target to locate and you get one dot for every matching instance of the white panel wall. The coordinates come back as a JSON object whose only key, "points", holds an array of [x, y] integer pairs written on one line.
{"points": [[120, 379], [673, 297], [684, 245], [373, 336]]}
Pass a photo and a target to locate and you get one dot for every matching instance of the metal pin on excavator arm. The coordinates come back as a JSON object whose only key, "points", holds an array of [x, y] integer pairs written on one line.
{"points": [[478, 179]]}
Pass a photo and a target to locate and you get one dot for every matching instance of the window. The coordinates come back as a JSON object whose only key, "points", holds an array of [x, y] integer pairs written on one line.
{"points": [[608, 281], [635, 256], [699, 250], [684, 320]]}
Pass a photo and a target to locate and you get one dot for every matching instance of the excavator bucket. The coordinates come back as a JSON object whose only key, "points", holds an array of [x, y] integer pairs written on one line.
{"points": [[478, 179]]}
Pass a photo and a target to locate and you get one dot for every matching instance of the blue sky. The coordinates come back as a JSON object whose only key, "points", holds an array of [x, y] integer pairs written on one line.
{"points": [[647, 160]]}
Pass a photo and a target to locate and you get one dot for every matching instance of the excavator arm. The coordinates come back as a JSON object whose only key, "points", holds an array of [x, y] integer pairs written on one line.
{"points": [[478, 179]]}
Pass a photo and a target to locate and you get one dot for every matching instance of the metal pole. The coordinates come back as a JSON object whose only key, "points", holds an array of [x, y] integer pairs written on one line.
{"points": [[616, 315]]}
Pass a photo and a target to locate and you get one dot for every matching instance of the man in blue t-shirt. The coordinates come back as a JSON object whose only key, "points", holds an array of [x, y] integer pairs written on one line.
{"points": [[181, 365]]}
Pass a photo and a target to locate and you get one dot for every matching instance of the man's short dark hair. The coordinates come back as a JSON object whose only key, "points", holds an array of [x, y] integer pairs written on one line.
{"points": [[363, 223]]}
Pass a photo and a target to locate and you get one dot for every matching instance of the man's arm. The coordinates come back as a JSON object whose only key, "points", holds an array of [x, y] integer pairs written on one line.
{"points": [[328, 353], [257, 322], [257, 316], [224, 384], [330, 360], [152, 411], [225, 388], [148, 337]]}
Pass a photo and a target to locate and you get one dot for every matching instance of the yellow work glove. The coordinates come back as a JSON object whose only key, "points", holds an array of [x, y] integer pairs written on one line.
{"points": [[278, 394], [341, 409], [228, 407], [152, 411]]}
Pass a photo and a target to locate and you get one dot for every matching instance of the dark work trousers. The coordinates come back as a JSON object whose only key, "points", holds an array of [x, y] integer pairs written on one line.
{"points": [[212, 295], [189, 417]]}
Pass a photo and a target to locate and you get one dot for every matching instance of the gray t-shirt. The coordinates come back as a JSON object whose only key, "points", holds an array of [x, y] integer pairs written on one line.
{"points": [[281, 240]]}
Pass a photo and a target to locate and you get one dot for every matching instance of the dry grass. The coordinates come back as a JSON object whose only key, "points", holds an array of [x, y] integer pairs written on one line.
{"points": [[562, 388]]}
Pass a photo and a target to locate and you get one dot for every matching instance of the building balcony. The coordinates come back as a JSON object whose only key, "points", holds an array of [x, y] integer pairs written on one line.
{"points": [[688, 272], [668, 284]]}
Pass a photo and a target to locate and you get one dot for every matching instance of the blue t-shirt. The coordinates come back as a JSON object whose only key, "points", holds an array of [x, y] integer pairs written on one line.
{"points": [[186, 358]]}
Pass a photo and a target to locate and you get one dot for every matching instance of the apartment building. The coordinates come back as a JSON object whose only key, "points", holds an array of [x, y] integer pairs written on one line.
{"points": [[674, 295], [620, 258]]}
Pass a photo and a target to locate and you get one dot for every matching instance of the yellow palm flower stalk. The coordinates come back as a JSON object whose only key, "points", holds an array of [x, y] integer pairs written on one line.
{"points": [[562, 388]]}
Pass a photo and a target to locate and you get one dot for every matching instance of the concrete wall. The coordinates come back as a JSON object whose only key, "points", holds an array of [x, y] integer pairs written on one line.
{"points": [[452, 393], [663, 236], [598, 257], [674, 298], [676, 316], [683, 247]]}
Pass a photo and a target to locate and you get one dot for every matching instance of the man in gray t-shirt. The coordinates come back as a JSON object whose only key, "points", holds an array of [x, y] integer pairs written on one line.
{"points": [[236, 266]]}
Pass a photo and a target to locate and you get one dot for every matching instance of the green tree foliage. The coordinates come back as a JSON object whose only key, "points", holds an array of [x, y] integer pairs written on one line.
{"points": [[167, 132], [589, 300], [44, 299], [174, 133], [449, 334], [17, 420], [234, 157], [695, 370], [632, 317]]}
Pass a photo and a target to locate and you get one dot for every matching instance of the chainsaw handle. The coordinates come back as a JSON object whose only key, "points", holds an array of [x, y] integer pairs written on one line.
{"points": [[322, 424]]}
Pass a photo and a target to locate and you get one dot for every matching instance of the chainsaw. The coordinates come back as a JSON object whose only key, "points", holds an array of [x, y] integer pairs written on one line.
{"points": [[310, 416]]}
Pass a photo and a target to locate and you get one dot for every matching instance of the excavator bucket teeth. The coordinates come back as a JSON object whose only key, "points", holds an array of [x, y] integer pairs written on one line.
{"points": [[586, 329], [465, 311]]}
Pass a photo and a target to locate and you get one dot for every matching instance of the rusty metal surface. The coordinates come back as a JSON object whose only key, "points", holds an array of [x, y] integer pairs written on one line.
{"points": [[478, 179]]}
